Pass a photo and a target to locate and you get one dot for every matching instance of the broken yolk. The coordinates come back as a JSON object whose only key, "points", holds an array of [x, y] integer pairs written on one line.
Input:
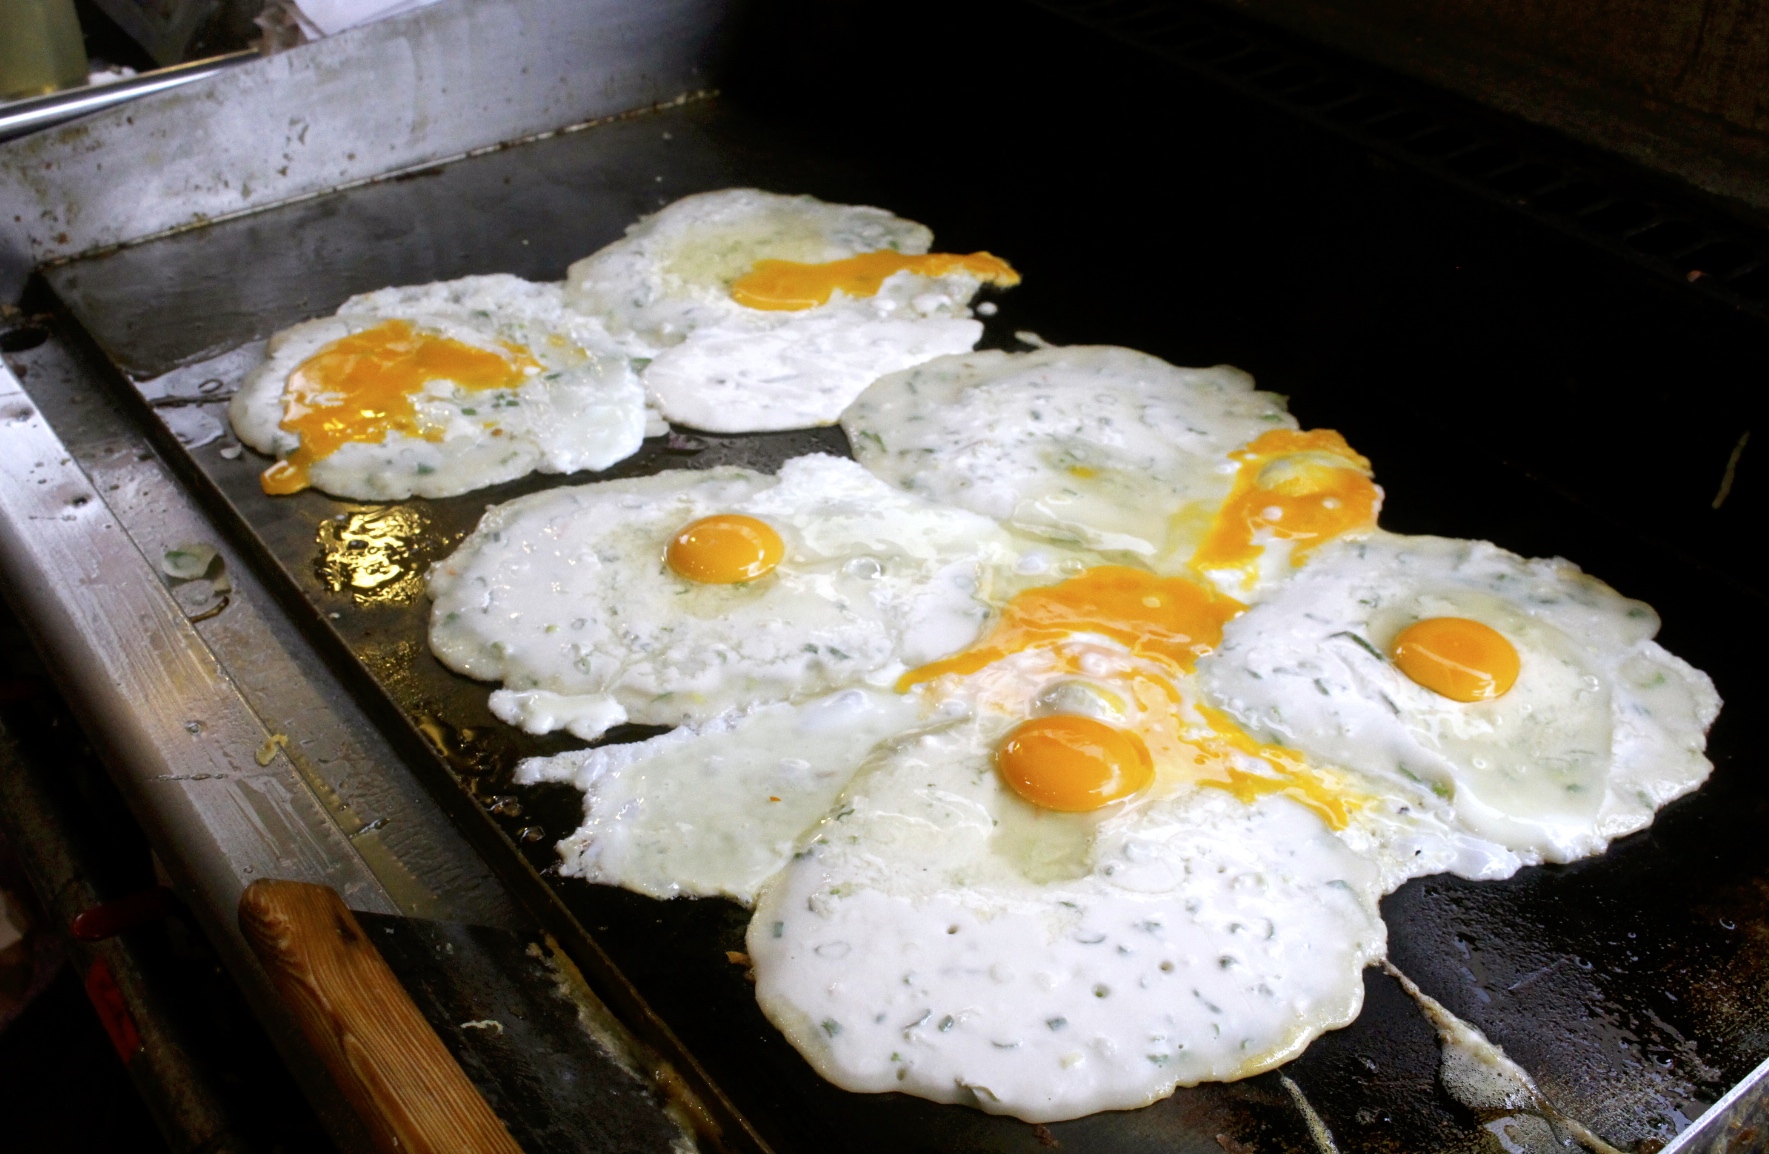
{"points": [[788, 285], [360, 388], [1305, 487], [1072, 763], [725, 549], [1169, 619], [1069, 761], [1460, 659], [1215, 765]]}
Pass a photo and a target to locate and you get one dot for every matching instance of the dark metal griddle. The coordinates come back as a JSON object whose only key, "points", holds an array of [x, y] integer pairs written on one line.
{"points": [[1508, 381]]}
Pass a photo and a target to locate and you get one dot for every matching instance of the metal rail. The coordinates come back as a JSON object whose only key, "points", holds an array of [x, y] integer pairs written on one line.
{"points": [[19, 117]]}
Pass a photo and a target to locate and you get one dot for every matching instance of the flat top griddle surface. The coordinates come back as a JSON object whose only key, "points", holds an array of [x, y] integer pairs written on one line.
{"points": [[1507, 386]]}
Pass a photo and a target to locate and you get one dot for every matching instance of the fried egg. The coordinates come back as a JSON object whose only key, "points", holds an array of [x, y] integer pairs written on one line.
{"points": [[1084, 889], [753, 311], [716, 809], [1121, 452], [435, 390], [677, 597], [1521, 704]]}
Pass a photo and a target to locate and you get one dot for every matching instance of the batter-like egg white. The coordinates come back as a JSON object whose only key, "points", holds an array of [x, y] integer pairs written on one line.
{"points": [[1105, 446], [434, 390], [1082, 890], [1600, 728], [752, 311], [717, 808], [567, 597], [943, 937], [1122, 453]]}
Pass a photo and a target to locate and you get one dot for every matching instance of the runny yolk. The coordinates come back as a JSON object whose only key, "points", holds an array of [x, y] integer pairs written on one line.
{"points": [[1461, 659], [1328, 796], [360, 388], [1168, 619], [789, 285], [725, 549], [1306, 487], [1072, 763]]}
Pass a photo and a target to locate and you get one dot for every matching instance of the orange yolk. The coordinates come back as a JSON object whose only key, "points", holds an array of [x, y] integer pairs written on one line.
{"points": [[725, 549], [788, 285], [1325, 794], [1167, 619], [1461, 659], [360, 388], [1306, 487], [1073, 763]]}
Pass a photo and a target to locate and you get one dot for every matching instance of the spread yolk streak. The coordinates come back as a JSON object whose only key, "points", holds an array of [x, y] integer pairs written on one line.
{"points": [[788, 285], [1072, 763], [1307, 487], [725, 549], [1460, 659], [1214, 765], [360, 388], [1168, 619], [1196, 744]]}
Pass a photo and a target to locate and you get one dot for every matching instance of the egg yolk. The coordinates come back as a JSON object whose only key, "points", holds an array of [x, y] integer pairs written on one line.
{"points": [[1214, 764], [1306, 487], [725, 549], [1169, 619], [789, 285], [1072, 763], [360, 388], [1461, 659]]}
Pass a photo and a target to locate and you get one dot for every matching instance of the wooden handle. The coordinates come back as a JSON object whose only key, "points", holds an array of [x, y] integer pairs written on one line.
{"points": [[379, 1049]]}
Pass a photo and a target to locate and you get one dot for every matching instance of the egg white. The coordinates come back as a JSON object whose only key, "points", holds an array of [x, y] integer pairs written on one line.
{"points": [[664, 292], [1602, 728], [716, 809], [511, 303], [1104, 446], [584, 409], [942, 937], [564, 596]]}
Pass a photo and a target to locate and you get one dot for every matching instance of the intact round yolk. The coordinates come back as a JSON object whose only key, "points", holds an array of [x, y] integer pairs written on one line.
{"points": [[1072, 763], [1461, 659], [361, 387], [725, 549], [790, 285]]}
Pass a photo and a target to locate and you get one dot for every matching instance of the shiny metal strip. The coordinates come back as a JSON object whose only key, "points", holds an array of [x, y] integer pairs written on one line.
{"points": [[1737, 1124], [411, 848], [19, 117], [181, 744], [402, 93], [186, 748]]}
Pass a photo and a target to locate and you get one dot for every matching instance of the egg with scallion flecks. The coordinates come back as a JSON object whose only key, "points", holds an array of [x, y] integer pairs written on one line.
{"points": [[751, 311], [1521, 701]]}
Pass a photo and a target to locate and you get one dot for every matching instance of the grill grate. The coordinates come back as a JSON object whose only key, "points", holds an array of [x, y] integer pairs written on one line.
{"points": [[1701, 248]]}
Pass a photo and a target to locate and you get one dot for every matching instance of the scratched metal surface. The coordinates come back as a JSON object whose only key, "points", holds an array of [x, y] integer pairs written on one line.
{"points": [[1507, 384]]}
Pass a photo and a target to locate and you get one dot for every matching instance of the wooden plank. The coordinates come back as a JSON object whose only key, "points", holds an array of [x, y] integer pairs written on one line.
{"points": [[386, 1059]]}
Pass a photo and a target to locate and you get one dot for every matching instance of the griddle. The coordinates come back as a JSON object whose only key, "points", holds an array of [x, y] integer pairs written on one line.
{"points": [[1509, 380]]}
